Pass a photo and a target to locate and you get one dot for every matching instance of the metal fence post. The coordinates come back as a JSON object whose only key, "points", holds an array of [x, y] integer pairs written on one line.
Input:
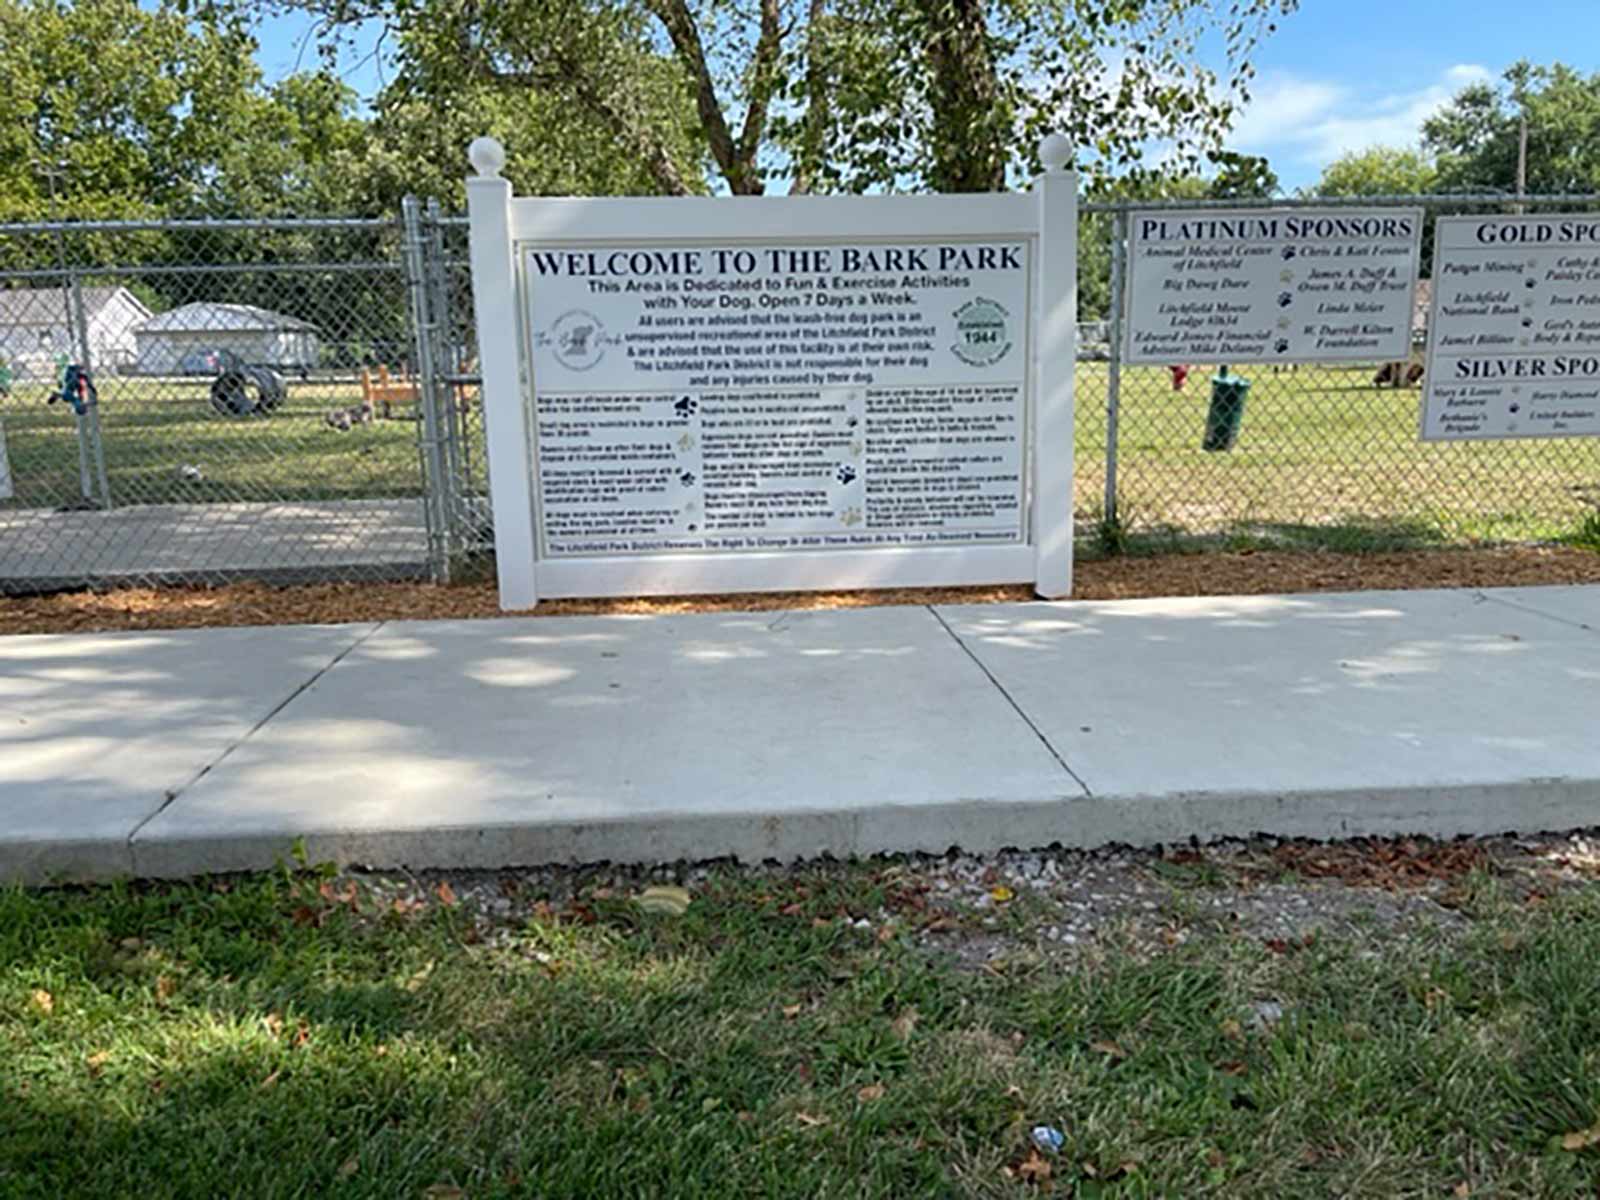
{"points": [[436, 484], [447, 365], [1119, 221], [89, 419]]}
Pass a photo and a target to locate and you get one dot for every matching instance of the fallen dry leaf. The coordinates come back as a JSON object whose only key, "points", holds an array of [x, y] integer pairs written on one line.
{"points": [[379, 1050], [1581, 1139], [1232, 1030], [130, 944], [1232, 1067], [885, 934], [42, 1001], [904, 1024], [446, 894], [420, 977], [443, 1191], [349, 1167], [97, 1060], [791, 1011], [1035, 1169], [669, 901], [270, 1080], [810, 1121], [273, 1023], [873, 1091], [1109, 1049], [302, 1035], [1462, 1189], [791, 910], [165, 986]]}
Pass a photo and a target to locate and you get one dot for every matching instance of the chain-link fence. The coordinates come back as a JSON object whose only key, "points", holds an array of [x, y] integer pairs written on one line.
{"points": [[194, 402], [199, 401], [1327, 455]]}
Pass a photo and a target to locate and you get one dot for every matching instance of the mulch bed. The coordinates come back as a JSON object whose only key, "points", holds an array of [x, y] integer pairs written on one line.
{"points": [[1245, 573]]}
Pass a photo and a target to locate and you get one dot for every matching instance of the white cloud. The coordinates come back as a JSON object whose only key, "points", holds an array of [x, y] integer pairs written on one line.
{"points": [[1314, 121]]}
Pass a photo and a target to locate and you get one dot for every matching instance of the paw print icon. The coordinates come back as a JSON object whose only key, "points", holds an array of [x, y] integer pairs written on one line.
{"points": [[686, 406], [845, 474], [1288, 253], [1281, 345], [686, 478], [1285, 299], [1527, 322], [853, 422], [1516, 408]]}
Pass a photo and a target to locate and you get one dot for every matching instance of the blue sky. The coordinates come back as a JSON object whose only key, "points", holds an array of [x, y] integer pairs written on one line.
{"points": [[1338, 75]]}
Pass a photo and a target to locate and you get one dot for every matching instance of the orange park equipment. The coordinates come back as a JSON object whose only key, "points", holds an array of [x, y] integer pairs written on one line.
{"points": [[381, 392]]}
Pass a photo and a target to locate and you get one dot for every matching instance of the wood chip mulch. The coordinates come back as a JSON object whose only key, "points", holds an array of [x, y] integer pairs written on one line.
{"points": [[1245, 573]]}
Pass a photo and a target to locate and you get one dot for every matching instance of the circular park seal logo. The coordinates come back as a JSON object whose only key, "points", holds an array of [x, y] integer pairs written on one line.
{"points": [[578, 338], [983, 332]]}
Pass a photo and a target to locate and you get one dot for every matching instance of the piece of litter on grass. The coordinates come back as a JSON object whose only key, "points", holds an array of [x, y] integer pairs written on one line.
{"points": [[1001, 894], [1266, 1013], [669, 901], [873, 1091], [1048, 1138]]}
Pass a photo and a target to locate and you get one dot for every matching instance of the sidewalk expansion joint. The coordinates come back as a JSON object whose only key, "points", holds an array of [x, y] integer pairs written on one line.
{"points": [[1015, 707], [173, 793]]}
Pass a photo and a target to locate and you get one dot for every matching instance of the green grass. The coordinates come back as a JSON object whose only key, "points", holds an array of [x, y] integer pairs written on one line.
{"points": [[254, 1038], [152, 427], [1324, 460]]}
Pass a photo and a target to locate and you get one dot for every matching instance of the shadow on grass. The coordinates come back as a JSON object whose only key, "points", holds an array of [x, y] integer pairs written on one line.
{"points": [[1372, 535]]}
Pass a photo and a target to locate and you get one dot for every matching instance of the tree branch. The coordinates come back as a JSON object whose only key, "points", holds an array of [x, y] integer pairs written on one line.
{"points": [[763, 81], [814, 125], [674, 15]]}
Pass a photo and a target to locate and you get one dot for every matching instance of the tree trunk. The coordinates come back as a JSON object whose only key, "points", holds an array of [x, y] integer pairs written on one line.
{"points": [[968, 134]]}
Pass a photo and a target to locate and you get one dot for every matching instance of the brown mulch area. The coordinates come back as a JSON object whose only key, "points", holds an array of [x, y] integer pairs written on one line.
{"points": [[1246, 573]]}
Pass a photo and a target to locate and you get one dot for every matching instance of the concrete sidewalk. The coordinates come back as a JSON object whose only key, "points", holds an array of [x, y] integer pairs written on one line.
{"points": [[492, 743]]}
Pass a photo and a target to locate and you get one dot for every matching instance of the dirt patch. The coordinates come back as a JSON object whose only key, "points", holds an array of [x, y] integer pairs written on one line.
{"points": [[1244, 573]]}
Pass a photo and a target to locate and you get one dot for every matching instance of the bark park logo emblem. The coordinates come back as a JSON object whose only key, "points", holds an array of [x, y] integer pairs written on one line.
{"points": [[983, 333], [579, 339]]}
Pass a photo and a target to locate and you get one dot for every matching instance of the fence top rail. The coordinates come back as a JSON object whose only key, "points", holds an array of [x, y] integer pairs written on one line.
{"points": [[199, 225], [1429, 200]]}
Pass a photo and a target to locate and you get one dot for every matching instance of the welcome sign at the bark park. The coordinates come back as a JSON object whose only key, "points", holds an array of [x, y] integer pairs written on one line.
{"points": [[701, 395]]}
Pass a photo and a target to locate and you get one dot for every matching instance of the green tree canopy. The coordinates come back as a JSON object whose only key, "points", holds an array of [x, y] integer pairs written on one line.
{"points": [[828, 95], [1475, 138], [1378, 171]]}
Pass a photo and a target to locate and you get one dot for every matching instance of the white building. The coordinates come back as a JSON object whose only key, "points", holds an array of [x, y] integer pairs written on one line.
{"points": [[187, 340], [35, 328]]}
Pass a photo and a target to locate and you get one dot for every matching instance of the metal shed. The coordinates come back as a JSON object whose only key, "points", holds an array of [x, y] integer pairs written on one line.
{"points": [[189, 340]]}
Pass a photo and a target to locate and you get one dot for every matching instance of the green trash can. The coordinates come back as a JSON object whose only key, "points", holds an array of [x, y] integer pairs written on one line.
{"points": [[1228, 394]]}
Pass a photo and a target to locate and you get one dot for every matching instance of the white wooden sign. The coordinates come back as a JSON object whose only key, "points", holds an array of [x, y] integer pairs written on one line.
{"points": [[1514, 339], [710, 395], [1271, 285]]}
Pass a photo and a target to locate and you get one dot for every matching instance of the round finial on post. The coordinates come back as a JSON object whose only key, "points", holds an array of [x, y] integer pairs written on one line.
{"points": [[487, 157], [1055, 152]]}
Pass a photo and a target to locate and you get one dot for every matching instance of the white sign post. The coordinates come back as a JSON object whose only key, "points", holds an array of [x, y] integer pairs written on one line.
{"points": [[718, 395], [1271, 285], [1514, 340]]}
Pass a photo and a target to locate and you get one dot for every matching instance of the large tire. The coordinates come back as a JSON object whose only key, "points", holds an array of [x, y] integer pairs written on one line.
{"points": [[247, 391]]}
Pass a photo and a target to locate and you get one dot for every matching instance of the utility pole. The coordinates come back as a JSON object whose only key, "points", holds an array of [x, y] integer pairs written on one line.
{"points": [[1522, 156]]}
